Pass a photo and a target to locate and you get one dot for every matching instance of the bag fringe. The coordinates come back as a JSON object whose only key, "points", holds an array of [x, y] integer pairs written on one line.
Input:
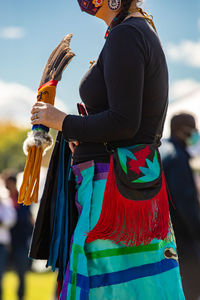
{"points": [[129, 222]]}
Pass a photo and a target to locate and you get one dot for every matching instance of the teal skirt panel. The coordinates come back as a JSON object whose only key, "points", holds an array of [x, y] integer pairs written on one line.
{"points": [[103, 270]]}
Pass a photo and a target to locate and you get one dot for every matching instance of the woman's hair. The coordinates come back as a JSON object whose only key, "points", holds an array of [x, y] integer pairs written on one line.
{"points": [[126, 4]]}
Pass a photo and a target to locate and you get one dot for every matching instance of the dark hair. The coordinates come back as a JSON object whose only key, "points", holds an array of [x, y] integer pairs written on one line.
{"points": [[180, 120], [126, 4]]}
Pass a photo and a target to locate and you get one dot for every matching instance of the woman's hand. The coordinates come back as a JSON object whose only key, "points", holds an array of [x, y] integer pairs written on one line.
{"points": [[72, 145], [47, 115]]}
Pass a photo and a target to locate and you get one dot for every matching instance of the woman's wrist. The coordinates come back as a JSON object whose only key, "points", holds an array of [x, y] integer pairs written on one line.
{"points": [[60, 120], [63, 125]]}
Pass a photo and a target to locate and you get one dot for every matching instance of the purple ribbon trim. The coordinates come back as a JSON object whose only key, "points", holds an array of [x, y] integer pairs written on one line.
{"points": [[101, 170], [101, 167]]}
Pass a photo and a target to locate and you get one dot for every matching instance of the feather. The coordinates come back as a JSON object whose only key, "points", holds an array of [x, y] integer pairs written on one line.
{"points": [[58, 60]]}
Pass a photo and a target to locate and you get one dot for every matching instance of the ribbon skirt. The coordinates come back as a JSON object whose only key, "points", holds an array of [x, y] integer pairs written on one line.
{"points": [[103, 270]]}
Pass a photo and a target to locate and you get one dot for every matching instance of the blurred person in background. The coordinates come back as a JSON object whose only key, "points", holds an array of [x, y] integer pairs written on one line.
{"points": [[7, 220], [184, 209], [21, 234]]}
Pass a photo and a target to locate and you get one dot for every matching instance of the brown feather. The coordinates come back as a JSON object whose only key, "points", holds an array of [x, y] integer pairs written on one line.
{"points": [[63, 64], [58, 60]]}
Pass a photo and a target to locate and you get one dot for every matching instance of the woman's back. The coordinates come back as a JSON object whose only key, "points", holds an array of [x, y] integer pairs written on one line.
{"points": [[155, 95]]}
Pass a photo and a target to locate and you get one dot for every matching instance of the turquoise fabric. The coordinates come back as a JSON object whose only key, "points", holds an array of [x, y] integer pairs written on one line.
{"points": [[78, 259], [102, 270], [58, 247], [60, 201]]}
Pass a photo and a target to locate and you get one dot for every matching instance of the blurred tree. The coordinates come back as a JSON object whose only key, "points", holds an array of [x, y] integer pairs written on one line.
{"points": [[11, 147], [11, 152]]}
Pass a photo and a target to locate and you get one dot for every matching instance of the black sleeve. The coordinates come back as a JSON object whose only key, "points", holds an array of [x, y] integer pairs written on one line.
{"points": [[123, 63]]}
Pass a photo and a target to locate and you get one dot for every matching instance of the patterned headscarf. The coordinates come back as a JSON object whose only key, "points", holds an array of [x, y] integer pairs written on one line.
{"points": [[90, 6]]}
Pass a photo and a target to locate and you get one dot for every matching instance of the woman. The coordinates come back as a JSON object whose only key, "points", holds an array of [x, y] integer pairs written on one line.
{"points": [[121, 249]]}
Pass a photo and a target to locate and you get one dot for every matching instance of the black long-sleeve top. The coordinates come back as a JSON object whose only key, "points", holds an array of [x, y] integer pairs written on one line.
{"points": [[125, 93]]}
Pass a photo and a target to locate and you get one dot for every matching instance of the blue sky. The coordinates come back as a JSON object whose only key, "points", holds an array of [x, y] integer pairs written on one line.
{"points": [[39, 25]]}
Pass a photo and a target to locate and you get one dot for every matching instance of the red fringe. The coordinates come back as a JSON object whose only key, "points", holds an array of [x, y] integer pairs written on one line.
{"points": [[129, 222]]}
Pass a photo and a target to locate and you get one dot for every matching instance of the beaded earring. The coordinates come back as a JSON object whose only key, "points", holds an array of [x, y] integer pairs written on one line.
{"points": [[114, 4]]}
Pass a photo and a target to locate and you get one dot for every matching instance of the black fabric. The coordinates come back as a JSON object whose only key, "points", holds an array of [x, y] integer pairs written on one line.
{"points": [[43, 229], [72, 211], [125, 93], [185, 211], [44, 223], [137, 191], [21, 232]]}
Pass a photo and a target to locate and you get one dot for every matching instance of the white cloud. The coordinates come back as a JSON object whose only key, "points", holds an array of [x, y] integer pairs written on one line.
{"points": [[184, 89], [12, 32], [16, 101], [187, 52], [187, 93]]}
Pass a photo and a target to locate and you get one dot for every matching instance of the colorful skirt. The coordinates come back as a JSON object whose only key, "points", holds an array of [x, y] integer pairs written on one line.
{"points": [[103, 270]]}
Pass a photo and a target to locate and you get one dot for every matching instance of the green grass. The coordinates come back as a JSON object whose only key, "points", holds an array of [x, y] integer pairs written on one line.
{"points": [[38, 286]]}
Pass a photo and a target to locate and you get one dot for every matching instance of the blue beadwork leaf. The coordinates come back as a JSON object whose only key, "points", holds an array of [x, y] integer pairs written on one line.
{"points": [[151, 172], [123, 153]]}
